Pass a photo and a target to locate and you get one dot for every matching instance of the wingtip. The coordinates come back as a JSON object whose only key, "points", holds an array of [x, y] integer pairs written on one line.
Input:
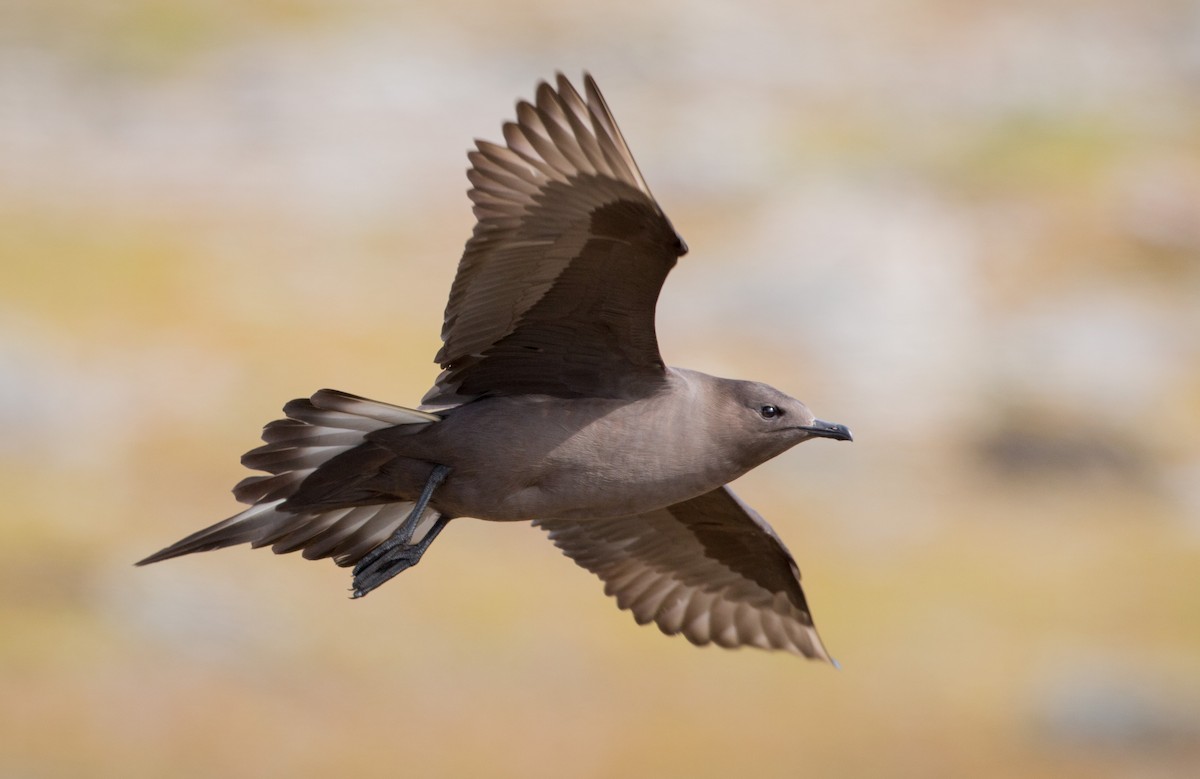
{"points": [[560, 77], [543, 94]]}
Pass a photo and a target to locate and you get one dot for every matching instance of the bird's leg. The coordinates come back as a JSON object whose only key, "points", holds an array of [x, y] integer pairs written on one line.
{"points": [[397, 560], [396, 554]]}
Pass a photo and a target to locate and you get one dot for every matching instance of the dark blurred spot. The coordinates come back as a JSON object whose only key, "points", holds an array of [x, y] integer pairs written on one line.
{"points": [[1039, 452]]}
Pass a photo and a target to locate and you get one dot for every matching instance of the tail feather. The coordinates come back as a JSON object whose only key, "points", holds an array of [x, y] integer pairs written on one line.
{"points": [[292, 536], [298, 433], [358, 406], [274, 459], [263, 489], [304, 410], [316, 430], [241, 528], [305, 530], [341, 410], [375, 531], [351, 525]]}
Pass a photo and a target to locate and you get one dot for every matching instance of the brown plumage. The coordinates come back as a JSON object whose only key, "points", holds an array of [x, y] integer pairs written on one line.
{"points": [[556, 289], [553, 405]]}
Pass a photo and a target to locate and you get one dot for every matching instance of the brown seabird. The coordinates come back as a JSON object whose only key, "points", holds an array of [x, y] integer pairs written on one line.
{"points": [[553, 405]]}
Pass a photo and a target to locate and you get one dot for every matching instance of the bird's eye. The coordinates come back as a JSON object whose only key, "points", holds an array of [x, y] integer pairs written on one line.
{"points": [[769, 412]]}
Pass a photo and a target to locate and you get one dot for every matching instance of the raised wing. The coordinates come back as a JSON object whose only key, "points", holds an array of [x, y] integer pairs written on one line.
{"points": [[556, 289], [710, 568]]}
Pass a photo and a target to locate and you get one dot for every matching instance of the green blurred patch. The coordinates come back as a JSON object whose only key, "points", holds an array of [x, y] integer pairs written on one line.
{"points": [[80, 270], [155, 35], [161, 37], [1031, 151]]}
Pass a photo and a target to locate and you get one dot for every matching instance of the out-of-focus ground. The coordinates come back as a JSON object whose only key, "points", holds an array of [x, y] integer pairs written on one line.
{"points": [[971, 231]]}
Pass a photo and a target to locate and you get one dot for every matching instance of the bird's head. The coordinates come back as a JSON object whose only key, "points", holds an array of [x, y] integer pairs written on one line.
{"points": [[767, 422]]}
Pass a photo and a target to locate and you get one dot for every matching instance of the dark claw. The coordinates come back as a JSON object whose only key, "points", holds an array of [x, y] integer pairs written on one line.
{"points": [[391, 558], [396, 555]]}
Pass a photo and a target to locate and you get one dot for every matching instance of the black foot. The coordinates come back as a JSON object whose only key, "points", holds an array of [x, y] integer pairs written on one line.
{"points": [[391, 558], [396, 555]]}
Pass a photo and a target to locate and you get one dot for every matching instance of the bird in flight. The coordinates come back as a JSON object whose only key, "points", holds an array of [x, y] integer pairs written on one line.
{"points": [[553, 405]]}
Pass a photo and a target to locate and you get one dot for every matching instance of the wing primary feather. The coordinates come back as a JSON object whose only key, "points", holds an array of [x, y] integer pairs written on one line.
{"points": [[602, 115], [709, 568]]}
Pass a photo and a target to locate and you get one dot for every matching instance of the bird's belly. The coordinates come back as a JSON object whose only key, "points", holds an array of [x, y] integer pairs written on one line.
{"points": [[558, 490], [525, 458]]}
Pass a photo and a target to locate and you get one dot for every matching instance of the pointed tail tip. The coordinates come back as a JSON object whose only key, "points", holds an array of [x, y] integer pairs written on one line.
{"points": [[166, 553], [157, 557]]}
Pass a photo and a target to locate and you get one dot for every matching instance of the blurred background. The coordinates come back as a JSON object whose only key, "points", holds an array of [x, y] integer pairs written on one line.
{"points": [[969, 230]]}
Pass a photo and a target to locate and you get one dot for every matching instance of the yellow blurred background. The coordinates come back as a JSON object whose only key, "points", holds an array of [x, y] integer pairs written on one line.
{"points": [[970, 231]]}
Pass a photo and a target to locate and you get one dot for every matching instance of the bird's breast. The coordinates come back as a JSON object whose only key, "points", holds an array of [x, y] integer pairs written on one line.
{"points": [[527, 458]]}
